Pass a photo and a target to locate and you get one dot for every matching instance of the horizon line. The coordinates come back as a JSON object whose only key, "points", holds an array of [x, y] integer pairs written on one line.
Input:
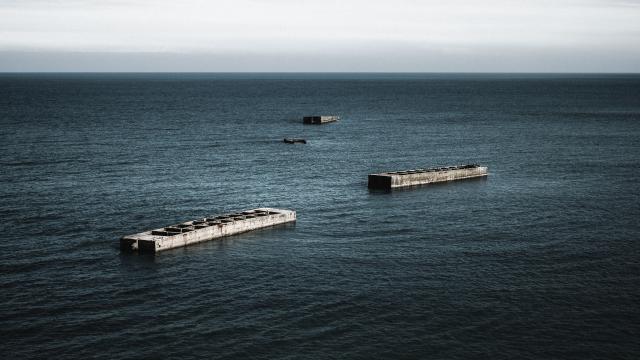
{"points": [[327, 72]]}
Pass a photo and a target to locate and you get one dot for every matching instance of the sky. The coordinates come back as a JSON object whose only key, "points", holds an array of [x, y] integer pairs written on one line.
{"points": [[320, 35]]}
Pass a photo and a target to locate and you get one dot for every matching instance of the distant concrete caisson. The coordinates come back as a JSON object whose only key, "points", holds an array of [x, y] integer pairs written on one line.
{"points": [[396, 179], [205, 229], [319, 120]]}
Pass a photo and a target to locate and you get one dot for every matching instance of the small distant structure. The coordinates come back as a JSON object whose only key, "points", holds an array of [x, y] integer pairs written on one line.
{"points": [[319, 120], [396, 179], [294, 141]]}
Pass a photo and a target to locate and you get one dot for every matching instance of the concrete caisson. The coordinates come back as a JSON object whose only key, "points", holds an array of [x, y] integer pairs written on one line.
{"points": [[319, 120], [205, 229], [397, 179]]}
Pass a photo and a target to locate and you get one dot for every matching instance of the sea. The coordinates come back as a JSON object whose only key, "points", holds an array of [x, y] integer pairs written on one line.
{"points": [[539, 260]]}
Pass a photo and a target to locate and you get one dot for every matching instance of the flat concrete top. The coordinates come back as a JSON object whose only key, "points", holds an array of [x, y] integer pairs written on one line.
{"points": [[210, 220]]}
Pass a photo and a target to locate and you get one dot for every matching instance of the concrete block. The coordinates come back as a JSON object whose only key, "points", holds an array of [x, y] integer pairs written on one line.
{"points": [[206, 229], [319, 120], [396, 179]]}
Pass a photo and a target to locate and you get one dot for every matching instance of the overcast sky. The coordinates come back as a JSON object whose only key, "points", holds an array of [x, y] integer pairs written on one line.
{"points": [[320, 35]]}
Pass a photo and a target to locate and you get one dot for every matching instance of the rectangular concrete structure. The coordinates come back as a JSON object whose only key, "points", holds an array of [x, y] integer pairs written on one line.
{"points": [[209, 228], [318, 120], [396, 179]]}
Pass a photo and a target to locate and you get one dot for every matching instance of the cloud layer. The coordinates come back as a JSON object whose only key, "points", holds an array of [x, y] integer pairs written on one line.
{"points": [[329, 35]]}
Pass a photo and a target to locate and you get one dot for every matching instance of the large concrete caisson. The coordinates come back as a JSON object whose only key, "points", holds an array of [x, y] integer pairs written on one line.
{"points": [[319, 120], [208, 228], [396, 179]]}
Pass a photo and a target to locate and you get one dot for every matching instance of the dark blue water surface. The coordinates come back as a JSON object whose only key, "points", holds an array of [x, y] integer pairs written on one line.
{"points": [[541, 260]]}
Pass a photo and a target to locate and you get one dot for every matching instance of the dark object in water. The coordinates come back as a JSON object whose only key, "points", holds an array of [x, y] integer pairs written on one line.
{"points": [[293, 141]]}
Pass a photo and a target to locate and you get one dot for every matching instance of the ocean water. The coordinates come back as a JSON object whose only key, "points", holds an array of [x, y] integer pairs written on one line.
{"points": [[540, 260]]}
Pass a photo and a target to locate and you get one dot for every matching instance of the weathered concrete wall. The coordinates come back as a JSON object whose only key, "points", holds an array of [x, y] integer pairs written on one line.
{"points": [[196, 231], [317, 120], [390, 180]]}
